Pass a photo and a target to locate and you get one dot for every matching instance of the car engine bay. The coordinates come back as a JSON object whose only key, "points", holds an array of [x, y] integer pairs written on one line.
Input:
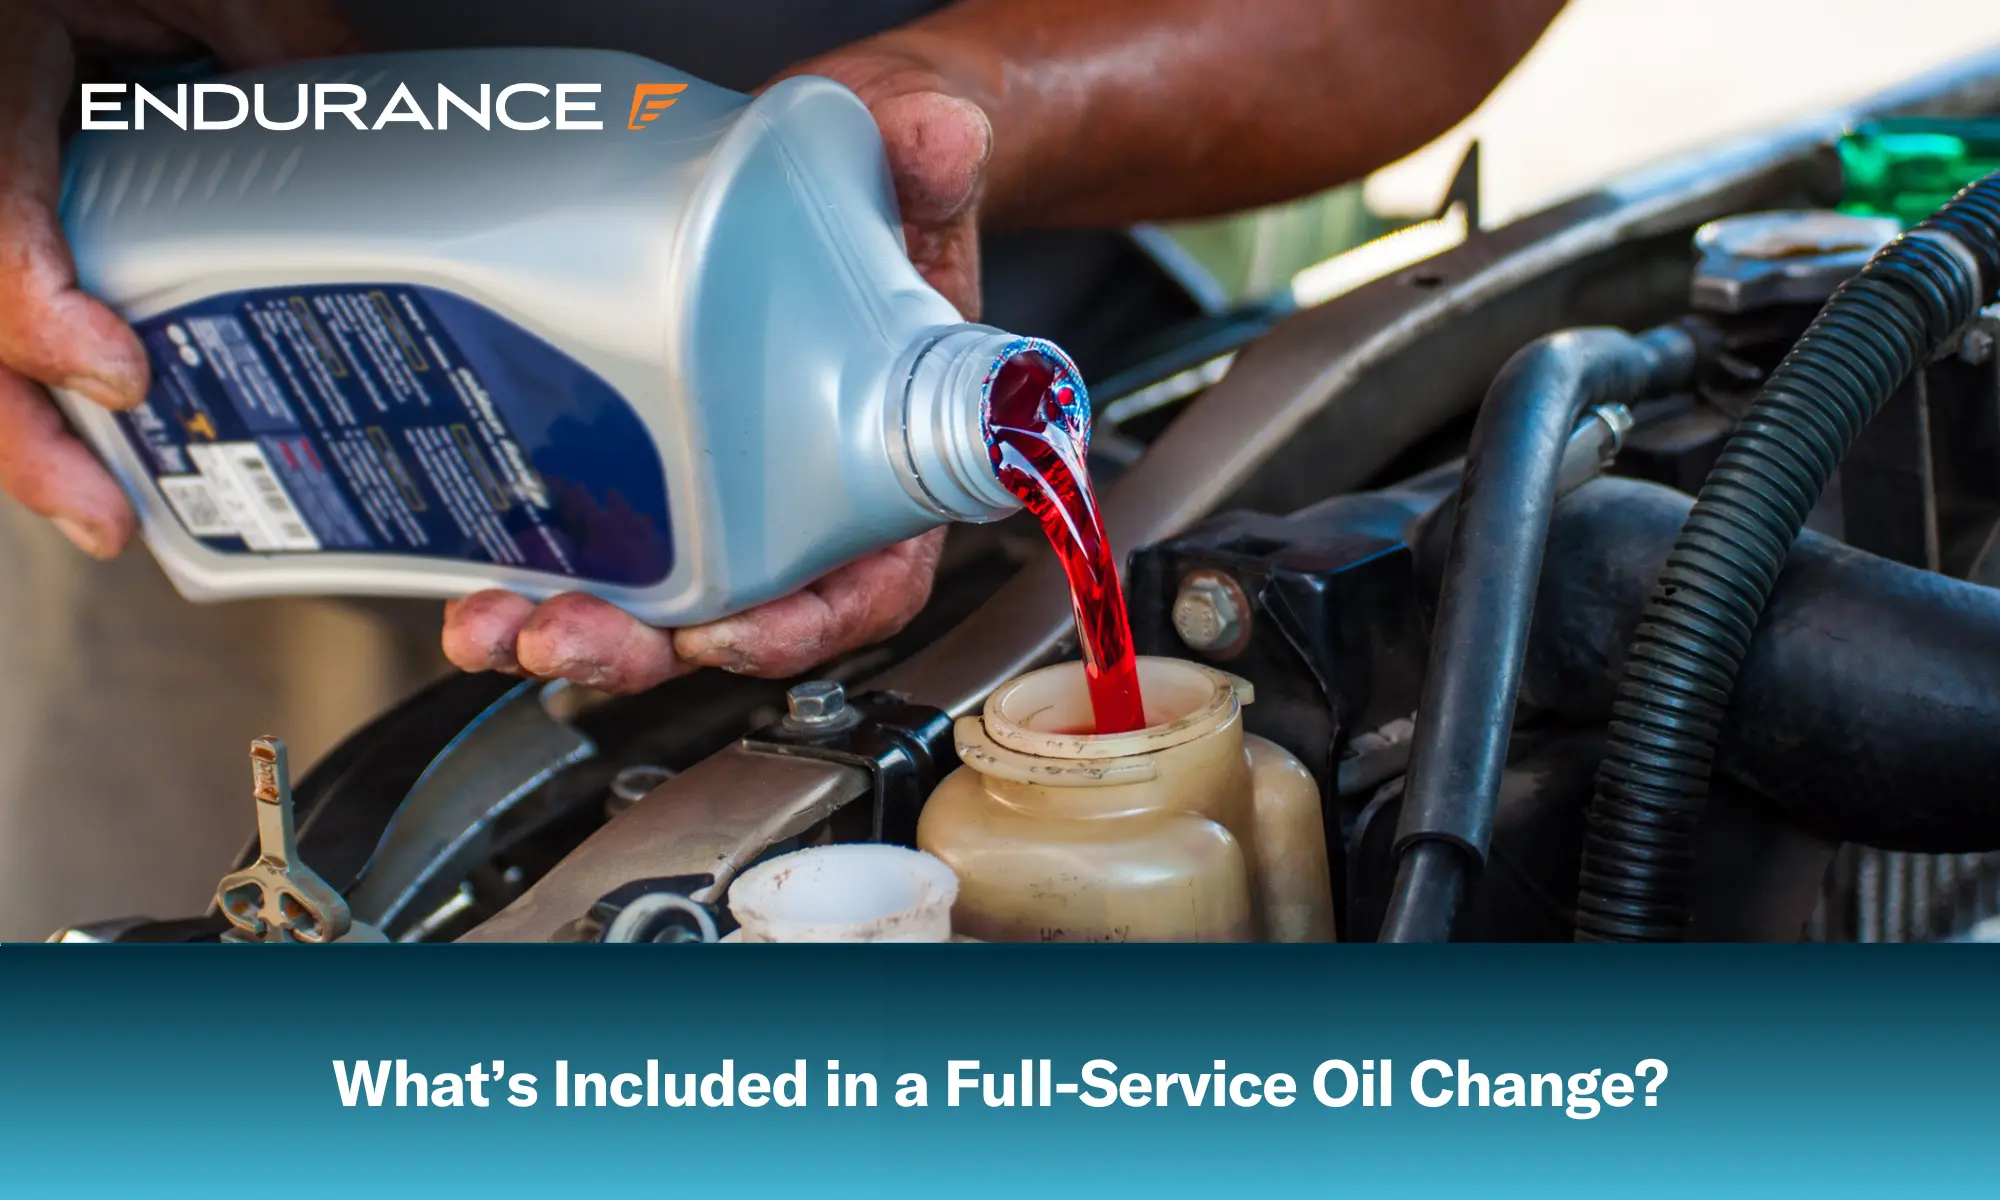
{"points": [[1524, 594]]}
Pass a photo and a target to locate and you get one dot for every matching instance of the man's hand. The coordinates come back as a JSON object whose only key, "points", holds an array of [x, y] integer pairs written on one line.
{"points": [[938, 145], [51, 334]]}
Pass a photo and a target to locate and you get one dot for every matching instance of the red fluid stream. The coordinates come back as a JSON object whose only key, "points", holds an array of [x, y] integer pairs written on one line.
{"points": [[1039, 428]]}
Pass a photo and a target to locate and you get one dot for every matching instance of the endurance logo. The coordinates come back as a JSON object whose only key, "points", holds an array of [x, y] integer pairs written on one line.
{"points": [[649, 100], [204, 107]]}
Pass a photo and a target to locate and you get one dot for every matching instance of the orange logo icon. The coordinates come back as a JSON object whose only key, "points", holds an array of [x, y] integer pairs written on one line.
{"points": [[649, 100]]}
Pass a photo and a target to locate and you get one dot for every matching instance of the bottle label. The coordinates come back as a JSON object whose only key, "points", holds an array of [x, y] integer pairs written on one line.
{"points": [[392, 419]]}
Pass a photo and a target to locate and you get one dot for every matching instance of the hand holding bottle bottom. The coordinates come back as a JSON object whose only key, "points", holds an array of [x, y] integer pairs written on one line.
{"points": [[590, 642]]}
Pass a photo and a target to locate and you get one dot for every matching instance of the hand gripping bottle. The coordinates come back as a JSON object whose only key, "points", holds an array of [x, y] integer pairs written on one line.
{"points": [[454, 341]]}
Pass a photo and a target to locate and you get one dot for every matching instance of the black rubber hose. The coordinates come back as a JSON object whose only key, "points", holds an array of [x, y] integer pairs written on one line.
{"points": [[1681, 668], [1866, 706], [1430, 881], [1466, 712]]}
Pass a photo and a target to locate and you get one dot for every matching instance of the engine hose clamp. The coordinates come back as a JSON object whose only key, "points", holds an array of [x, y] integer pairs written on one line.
{"points": [[1950, 244]]}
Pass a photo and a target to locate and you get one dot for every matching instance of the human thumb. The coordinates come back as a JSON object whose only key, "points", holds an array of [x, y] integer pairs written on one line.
{"points": [[938, 146]]}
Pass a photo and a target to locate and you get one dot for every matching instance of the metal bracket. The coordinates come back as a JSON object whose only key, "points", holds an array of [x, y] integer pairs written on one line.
{"points": [[905, 748]]}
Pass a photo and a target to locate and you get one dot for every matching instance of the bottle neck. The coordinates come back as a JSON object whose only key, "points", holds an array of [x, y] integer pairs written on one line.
{"points": [[940, 433]]}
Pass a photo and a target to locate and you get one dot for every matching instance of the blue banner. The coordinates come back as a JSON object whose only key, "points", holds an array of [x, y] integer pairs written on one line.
{"points": [[998, 1071]]}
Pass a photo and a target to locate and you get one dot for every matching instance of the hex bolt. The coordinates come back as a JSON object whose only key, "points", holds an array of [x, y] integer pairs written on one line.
{"points": [[816, 704], [1209, 612]]}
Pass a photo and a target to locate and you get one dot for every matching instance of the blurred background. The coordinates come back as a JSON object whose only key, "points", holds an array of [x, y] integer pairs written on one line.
{"points": [[1613, 85], [1618, 83]]}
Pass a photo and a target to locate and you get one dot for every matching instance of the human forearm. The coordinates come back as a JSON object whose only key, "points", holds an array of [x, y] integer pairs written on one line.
{"points": [[1124, 110]]}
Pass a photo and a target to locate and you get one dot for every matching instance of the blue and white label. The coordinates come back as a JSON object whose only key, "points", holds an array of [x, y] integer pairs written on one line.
{"points": [[394, 419]]}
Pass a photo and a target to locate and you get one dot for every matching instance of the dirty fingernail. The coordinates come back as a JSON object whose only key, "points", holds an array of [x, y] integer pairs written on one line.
{"points": [[727, 658], [82, 536], [104, 392], [714, 644]]}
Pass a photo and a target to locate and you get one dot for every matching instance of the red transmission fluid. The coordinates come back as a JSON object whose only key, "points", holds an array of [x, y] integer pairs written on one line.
{"points": [[1040, 429]]}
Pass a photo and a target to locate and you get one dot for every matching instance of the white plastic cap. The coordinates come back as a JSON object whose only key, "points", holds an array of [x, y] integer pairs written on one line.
{"points": [[858, 892]]}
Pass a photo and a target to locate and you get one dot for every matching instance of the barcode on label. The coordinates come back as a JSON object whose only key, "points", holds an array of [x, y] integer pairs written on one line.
{"points": [[252, 497], [195, 504], [277, 505]]}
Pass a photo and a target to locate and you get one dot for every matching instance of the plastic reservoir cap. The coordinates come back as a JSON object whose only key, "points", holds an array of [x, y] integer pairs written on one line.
{"points": [[858, 892], [1756, 260]]}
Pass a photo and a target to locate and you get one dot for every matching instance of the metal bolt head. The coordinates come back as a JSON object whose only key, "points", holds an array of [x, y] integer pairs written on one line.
{"points": [[816, 702], [1209, 612]]}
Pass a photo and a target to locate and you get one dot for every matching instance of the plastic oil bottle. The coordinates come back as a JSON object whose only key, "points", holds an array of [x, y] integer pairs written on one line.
{"points": [[681, 361]]}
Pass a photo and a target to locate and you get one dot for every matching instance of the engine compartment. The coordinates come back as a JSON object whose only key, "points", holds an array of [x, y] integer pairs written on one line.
{"points": [[1289, 518]]}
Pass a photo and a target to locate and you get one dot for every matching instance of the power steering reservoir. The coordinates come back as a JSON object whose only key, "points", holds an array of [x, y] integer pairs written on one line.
{"points": [[1188, 830]]}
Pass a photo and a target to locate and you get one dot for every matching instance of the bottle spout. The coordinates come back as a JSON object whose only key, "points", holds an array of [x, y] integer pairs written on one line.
{"points": [[942, 429]]}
